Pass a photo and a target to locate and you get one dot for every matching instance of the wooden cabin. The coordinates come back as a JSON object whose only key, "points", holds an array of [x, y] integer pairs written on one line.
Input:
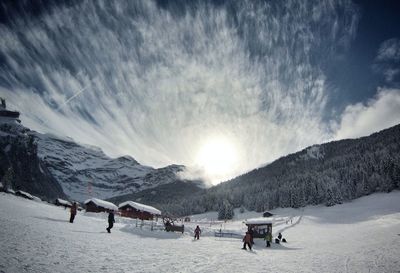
{"points": [[136, 210], [62, 203], [98, 205], [260, 227]]}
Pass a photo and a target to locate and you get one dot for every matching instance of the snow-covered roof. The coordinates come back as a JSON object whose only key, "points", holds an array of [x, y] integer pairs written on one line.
{"points": [[141, 207], [102, 203], [64, 202], [257, 221]]}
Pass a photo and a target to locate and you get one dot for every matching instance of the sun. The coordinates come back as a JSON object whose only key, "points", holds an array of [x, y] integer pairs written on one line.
{"points": [[217, 157]]}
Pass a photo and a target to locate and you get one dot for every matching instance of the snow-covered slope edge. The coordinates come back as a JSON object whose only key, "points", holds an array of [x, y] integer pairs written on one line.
{"points": [[359, 236]]}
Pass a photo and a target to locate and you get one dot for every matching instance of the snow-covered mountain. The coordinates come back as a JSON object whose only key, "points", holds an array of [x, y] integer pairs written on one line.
{"points": [[81, 171]]}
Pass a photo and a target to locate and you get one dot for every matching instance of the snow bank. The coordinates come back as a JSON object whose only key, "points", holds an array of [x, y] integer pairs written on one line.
{"points": [[63, 202], [24, 194], [141, 207], [359, 236], [102, 203]]}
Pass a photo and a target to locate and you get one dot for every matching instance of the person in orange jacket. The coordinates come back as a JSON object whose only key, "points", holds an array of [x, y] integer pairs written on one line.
{"points": [[74, 208], [247, 241]]}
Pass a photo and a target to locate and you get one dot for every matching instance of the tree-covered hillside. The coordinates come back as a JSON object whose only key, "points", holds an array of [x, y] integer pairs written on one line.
{"points": [[327, 174]]}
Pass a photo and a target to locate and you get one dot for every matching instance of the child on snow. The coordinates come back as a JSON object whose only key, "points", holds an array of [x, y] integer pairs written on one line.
{"points": [[247, 241], [268, 238], [197, 232], [111, 221], [73, 212]]}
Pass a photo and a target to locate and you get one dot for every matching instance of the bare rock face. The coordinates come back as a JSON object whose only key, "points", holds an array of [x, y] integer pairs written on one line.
{"points": [[20, 165]]}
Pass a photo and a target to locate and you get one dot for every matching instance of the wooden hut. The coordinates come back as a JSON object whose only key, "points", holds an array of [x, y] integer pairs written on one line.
{"points": [[62, 203], [97, 205], [260, 226], [136, 210]]}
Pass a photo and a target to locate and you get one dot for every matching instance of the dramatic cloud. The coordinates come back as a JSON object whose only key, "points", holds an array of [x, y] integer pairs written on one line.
{"points": [[157, 83], [377, 114]]}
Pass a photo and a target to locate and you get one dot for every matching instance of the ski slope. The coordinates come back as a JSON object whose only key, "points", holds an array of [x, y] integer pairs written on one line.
{"points": [[361, 236]]}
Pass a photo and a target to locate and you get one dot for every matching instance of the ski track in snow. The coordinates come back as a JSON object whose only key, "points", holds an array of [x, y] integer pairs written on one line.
{"points": [[37, 237]]}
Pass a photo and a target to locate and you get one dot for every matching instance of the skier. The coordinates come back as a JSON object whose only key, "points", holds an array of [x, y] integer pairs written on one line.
{"points": [[197, 232], [74, 208], [111, 221], [268, 238], [280, 236], [247, 241]]}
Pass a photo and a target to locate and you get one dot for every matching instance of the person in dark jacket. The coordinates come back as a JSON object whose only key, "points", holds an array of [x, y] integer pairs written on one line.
{"points": [[111, 221], [251, 232], [74, 208], [247, 241], [197, 232], [280, 236]]}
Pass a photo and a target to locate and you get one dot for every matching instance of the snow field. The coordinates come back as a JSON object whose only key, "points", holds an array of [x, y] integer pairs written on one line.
{"points": [[361, 236]]}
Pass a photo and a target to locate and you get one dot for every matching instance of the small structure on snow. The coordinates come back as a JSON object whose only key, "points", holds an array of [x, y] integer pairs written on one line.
{"points": [[267, 214], [169, 224], [62, 203], [136, 210], [260, 226], [98, 205], [7, 113], [187, 219]]}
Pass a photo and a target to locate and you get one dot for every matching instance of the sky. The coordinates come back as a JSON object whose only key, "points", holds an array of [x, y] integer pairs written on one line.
{"points": [[221, 87]]}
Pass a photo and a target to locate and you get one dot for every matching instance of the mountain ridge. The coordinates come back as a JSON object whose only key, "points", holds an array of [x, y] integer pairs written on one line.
{"points": [[76, 171]]}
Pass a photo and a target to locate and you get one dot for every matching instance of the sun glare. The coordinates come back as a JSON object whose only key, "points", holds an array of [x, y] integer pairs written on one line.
{"points": [[217, 157]]}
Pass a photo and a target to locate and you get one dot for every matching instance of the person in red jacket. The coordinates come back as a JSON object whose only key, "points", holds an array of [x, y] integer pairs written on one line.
{"points": [[74, 208], [247, 241], [197, 232]]}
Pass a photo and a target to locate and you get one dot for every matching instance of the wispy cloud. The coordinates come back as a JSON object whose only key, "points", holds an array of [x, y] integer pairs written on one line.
{"points": [[362, 119], [389, 50], [387, 60], [161, 81]]}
